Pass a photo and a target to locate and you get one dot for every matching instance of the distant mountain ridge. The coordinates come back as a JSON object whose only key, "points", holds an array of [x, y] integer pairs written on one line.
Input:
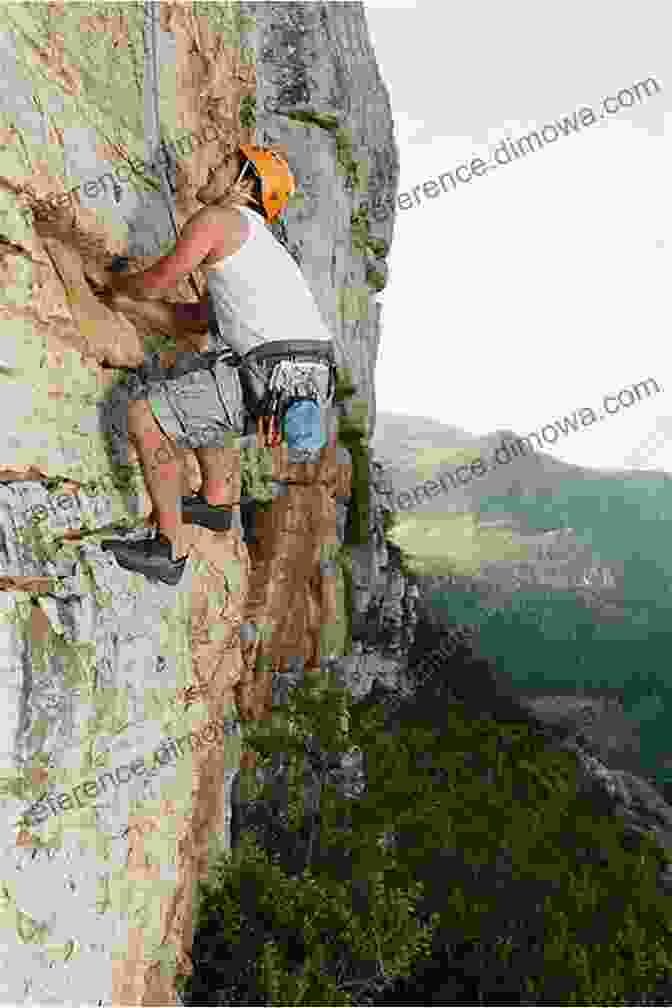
{"points": [[563, 568], [401, 443], [398, 437], [413, 450]]}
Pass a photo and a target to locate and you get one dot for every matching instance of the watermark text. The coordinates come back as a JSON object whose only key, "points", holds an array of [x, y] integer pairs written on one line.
{"points": [[550, 433]]}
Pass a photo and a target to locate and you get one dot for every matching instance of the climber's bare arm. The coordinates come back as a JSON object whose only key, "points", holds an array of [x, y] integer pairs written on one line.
{"points": [[208, 229], [199, 236]]}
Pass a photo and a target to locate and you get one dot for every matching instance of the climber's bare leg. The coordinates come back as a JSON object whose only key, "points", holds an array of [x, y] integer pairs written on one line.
{"points": [[216, 476], [162, 468], [187, 491], [186, 485], [217, 472]]}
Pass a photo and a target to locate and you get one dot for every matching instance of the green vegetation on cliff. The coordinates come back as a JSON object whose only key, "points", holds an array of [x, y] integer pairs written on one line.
{"points": [[256, 472], [545, 897], [353, 434]]}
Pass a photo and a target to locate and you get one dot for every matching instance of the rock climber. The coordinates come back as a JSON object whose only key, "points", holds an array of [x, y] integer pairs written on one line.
{"points": [[258, 303]]}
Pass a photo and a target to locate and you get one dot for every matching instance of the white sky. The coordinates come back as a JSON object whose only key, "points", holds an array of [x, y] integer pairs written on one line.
{"points": [[540, 287]]}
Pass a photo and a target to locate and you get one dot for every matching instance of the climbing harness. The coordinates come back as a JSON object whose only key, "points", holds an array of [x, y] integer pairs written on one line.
{"points": [[294, 376]]}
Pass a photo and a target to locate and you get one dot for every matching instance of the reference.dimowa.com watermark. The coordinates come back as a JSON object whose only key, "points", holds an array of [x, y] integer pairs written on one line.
{"points": [[465, 473], [137, 767], [508, 150], [140, 170]]}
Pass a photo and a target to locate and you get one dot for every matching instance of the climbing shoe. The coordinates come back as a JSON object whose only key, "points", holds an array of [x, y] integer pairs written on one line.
{"points": [[151, 557], [197, 511]]}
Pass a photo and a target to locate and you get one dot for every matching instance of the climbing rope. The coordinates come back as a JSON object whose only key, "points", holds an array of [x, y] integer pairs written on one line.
{"points": [[151, 14]]}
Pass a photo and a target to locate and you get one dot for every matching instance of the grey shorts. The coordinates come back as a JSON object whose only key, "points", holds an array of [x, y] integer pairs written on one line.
{"points": [[196, 406]]}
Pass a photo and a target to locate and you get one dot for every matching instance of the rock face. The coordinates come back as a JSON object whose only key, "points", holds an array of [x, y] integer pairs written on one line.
{"points": [[104, 672]]}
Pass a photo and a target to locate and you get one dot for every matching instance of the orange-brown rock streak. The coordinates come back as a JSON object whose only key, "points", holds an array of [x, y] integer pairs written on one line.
{"points": [[217, 669], [289, 597]]}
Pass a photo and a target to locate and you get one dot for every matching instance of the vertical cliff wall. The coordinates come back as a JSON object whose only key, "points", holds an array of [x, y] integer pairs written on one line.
{"points": [[124, 704]]}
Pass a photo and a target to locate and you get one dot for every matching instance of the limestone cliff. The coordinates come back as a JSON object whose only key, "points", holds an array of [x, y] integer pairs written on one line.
{"points": [[111, 118]]}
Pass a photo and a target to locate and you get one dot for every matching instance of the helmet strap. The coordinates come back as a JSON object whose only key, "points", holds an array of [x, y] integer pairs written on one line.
{"points": [[248, 164], [242, 172]]}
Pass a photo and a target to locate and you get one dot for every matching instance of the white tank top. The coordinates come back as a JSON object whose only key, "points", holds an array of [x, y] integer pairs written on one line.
{"points": [[259, 294]]}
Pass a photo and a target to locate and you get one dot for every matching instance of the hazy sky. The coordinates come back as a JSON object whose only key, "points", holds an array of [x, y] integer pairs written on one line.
{"points": [[541, 286]]}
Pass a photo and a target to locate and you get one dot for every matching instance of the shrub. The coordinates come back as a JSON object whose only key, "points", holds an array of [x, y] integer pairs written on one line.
{"points": [[352, 433], [355, 171], [375, 279], [313, 936], [256, 472], [345, 387], [248, 111], [390, 522], [310, 117], [378, 247], [344, 561], [357, 529], [359, 231], [543, 898]]}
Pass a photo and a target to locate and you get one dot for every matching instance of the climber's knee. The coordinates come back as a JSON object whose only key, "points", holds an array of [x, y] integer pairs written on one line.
{"points": [[141, 420]]}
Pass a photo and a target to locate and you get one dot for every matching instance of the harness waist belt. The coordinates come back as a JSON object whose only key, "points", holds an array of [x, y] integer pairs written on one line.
{"points": [[211, 357], [320, 350]]}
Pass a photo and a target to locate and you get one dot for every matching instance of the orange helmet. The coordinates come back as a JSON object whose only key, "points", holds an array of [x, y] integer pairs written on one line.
{"points": [[277, 182]]}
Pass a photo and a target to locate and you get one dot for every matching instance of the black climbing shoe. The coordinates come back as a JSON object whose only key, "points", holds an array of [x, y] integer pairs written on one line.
{"points": [[197, 511], [151, 557]]}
